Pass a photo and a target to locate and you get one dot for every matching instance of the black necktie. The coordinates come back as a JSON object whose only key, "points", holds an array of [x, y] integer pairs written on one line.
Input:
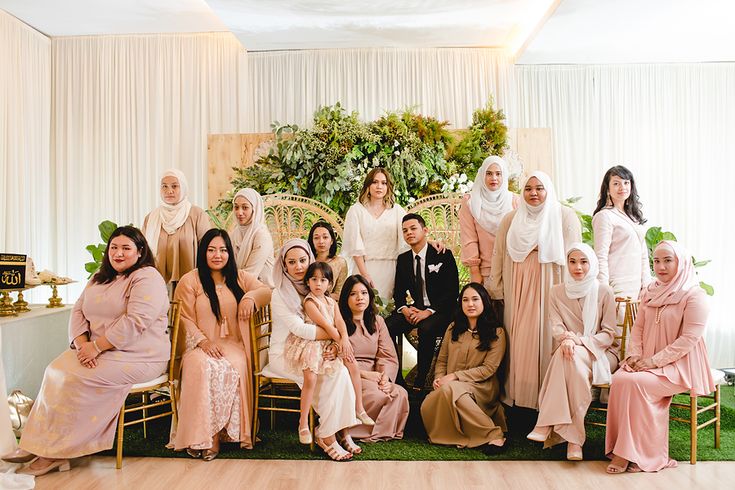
{"points": [[419, 284]]}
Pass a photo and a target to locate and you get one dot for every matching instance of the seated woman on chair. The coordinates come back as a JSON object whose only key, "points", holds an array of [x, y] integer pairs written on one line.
{"points": [[666, 355], [117, 333], [217, 301], [582, 320]]}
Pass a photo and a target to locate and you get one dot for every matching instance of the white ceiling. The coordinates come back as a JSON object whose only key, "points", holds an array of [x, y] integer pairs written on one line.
{"points": [[94, 17], [636, 31], [576, 31], [313, 24]]}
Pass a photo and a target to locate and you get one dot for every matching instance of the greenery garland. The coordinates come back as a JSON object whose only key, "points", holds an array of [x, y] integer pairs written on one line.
{"points": [[328, 161]]}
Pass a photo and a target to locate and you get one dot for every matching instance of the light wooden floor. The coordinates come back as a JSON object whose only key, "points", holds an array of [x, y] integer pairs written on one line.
{"points": [[177, 474]]}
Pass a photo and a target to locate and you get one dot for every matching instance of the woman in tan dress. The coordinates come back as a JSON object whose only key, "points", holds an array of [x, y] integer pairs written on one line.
{"points": [[117, 333], [385, 402], [480, 215], [174, 228], [251, 240], [323, 243], [527, 260], [582, 320], [217, 301], [464, 409]]}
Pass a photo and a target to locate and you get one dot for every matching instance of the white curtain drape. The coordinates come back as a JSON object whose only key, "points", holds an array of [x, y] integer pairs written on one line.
{"points": [[287, 86], [673, 126], [124, 109], [127, 107], [25, 120]]}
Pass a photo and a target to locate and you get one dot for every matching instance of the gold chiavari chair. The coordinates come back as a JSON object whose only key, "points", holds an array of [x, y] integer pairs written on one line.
{"points": [[694, 412], [276, 391], [630, 311], [164, 382]]}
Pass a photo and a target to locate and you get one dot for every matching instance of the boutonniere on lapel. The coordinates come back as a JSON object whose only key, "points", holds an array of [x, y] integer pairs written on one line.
{"points": [[435, 267]]}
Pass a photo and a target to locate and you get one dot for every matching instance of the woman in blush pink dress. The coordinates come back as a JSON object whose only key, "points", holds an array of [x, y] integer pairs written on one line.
{"points": [[117, 333], [620, 242], [216, 400], [385, 402], [582, 320], [480, 215], [666, 355]]}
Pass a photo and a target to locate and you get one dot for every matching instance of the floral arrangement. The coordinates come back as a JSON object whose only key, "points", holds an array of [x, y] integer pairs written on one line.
{"points": [[328, 161]]}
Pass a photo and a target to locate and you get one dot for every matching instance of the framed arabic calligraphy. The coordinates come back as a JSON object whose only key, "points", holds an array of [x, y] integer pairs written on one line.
{"points": [[12, 271]]}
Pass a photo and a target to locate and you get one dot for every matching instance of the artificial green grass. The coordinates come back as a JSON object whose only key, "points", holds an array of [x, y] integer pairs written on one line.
{"points": [[282, 442]]}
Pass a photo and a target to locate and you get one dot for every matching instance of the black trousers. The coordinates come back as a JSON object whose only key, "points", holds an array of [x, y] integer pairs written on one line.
{"points": [[429, 330]]}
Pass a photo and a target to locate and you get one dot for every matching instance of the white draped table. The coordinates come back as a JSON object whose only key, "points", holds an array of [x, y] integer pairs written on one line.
{"points": [[30, 341]]}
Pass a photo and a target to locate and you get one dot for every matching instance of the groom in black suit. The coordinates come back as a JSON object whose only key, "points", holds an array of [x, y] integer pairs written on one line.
{"points": [[425, 294]]}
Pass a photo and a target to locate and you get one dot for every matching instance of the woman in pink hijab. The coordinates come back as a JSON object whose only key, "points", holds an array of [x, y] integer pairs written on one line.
{"points": [[666, 355]]}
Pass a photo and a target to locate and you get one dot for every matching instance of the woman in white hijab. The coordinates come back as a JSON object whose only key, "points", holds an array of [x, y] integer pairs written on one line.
{"points": [[480, 215], [251, 239], [528, 259], [583, 323], [334, 397], [174, 228]]}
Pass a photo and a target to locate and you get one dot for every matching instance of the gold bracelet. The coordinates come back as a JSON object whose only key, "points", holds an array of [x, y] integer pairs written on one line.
{"points": [[94, 343]]}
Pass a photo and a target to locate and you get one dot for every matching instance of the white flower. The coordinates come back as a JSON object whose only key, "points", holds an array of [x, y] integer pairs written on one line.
{"points": [[463, 178], [435, 267]]}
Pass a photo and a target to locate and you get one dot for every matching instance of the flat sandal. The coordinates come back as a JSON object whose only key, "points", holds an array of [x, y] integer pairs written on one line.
{"points": [[334, 450], [350, 445]]}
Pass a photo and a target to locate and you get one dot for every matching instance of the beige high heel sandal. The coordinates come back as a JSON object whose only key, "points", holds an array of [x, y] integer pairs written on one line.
{"points": [[60, 464]]}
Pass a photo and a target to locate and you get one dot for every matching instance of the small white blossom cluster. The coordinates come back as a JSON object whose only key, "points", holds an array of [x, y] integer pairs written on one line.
{"points": [[458, 183]]}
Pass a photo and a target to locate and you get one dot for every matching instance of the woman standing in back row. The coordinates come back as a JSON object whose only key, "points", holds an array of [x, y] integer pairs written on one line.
{"points": [[174, 228], [620, 243], [480, 215], [528, 259]]}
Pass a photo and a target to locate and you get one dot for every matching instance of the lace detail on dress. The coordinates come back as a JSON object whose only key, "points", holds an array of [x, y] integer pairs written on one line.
{"points": [[224, 401]]}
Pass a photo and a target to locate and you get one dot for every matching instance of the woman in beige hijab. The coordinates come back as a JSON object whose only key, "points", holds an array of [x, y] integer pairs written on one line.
{"points": [[251, 239], [174, 228]]}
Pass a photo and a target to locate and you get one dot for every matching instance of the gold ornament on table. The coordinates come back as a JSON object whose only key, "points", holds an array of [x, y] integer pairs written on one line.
{"points": [[21, 305], [6, 305], [50, 279]]}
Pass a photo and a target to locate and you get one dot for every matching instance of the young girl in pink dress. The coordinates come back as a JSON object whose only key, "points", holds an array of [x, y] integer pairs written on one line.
{"points": [[307, 356]]}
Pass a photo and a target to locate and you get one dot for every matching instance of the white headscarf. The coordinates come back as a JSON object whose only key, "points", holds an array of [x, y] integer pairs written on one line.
{"points": [[243, 235], [488, 207], [588, 288], [538, 226], [170, 217], [292, 290]]}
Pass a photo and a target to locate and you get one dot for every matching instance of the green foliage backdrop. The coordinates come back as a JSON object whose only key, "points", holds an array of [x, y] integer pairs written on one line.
{"points": [[329, 160]]}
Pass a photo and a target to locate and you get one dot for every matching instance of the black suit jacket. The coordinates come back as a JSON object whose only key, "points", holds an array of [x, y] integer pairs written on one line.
{"points": [[442, 286]]}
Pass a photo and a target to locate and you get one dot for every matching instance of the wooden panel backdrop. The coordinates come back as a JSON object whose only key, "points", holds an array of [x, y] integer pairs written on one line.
{"points": [[224, 151]]}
